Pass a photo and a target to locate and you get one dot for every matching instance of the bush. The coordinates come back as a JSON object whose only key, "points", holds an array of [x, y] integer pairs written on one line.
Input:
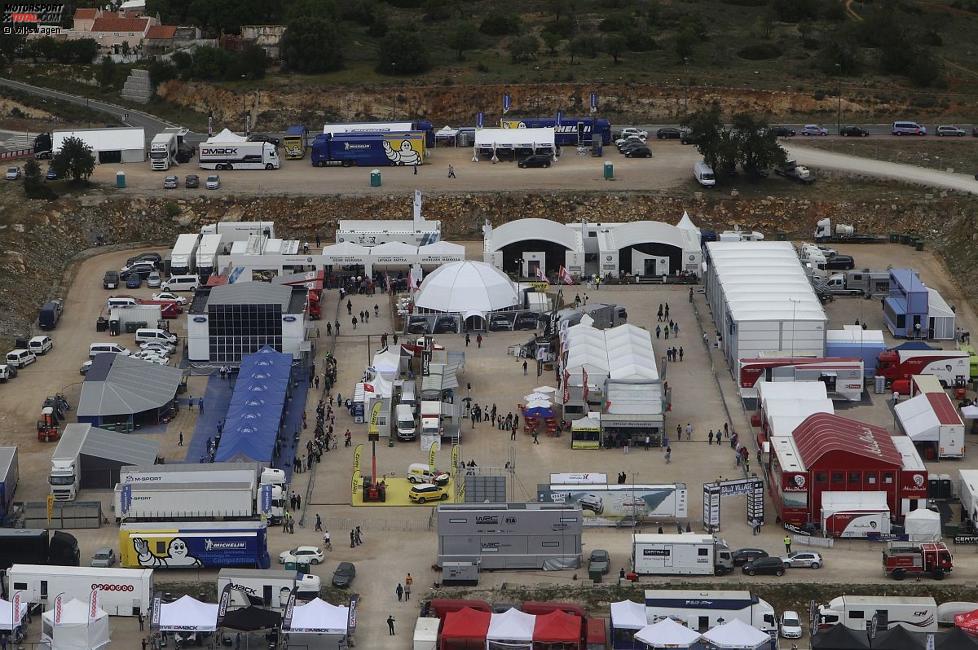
{"points": [[171, 209], [564, 28], [312, 46], [925, 71], [404, 53], [358, 11], [524, 48], [745, 3], [160, 71], [639, 40], [500, 24], [793, 11], [380, 26], [405, 4], [437, 10], [616, 23], [760, 52]]}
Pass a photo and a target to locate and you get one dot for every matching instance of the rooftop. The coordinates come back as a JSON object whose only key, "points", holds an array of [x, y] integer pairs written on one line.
{"points": [[116, 24]]}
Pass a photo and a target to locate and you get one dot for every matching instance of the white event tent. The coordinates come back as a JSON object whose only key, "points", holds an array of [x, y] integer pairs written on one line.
{"points": [[667, 633], [188, 614], [75, 632], [7, 614], [469, 288], [736, 635], [319, 617], [511, 630]]}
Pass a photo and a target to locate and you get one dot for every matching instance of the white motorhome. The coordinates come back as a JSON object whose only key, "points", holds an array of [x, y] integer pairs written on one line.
{"points": [[685, 554], [122, 592], [207, 252], [265, 588], [917, 614], [702, 610], [162, 151]]}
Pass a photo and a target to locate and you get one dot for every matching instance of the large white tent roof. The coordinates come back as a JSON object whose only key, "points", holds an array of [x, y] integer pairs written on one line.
{"points": [[188, 613], [542, 229], [623, 353], [511, 625], [628, 615], [667, 633], [504, 138], [918, 419], [736, 635], [319, 617], [469, 286]]}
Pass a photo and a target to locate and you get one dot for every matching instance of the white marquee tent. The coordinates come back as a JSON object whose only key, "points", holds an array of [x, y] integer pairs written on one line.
{"points": [[667, 633], [628, 615], [486, 139], [346, 253], [393, 253], [923, 525], [188, 614], [319, 617], [441, 252], [74, 632], [736, 635], [6, 614], [227, 135], [511, 630], [467, 288]]}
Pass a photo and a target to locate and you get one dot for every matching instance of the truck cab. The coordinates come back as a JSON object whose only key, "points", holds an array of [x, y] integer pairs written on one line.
{"points": [[63, 479]]}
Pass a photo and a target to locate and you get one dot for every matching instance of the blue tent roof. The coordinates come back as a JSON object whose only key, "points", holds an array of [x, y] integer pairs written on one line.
{"points": [[255, 411], [913, 345]]}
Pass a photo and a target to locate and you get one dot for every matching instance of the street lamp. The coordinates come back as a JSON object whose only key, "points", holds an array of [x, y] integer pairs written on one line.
{"points": [[686, 89], [838, 95]]}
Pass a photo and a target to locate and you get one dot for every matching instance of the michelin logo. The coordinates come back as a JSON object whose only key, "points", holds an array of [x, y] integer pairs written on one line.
{"points": [[347, 146], [211, 545]]}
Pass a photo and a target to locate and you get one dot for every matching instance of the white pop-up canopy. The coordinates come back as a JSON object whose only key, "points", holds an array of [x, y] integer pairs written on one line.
{"points": [[441, 252], [227, 135], [515, 138], [736, 635], [393, 252], [188, 614], [319, 617], [75, 632], [513, 627], [628, 615], [921, 525], [7, 619], [667, 633]]}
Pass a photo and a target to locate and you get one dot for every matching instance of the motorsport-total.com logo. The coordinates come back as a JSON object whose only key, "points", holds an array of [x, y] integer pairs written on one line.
{"points": [[32, 17]]}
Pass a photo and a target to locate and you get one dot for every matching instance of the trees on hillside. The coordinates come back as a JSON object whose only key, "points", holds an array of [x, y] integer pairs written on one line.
{"points": [[749, 142], [312, 46]]}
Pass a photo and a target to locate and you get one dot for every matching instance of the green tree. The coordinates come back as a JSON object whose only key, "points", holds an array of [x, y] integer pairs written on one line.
{"points": [[251, 63], [728, 153], [404, 53], [499, 24], [106, 73], [34, 187], [925, 71], [312, 46], [524, 48], [583, 45], [615, 45], [75, 160], [758, 147], [437, 10], [838, 55], [685, 41], [705, 130], [551, 40], [303, 9], [10, 45], [464, 36], [560, 8]]}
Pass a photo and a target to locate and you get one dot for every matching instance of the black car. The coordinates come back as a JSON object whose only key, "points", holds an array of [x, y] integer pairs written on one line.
{"points": [[261, 137], [155, 258], [840, 263], [192, 181], [344, 574], [445, 325], [745, 555], [783, 131], [638, 152], [141, 269], [853, 132], [110, 280], [764, 566], [536, 160], [688, 138], [668, 133]]}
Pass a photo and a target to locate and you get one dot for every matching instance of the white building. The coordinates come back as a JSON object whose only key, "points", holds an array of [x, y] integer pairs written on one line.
{"points": [[762, 302], [118, 145]]}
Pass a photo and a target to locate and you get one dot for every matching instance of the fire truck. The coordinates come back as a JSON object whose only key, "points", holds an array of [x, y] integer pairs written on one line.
{"points": [[902, 559]]}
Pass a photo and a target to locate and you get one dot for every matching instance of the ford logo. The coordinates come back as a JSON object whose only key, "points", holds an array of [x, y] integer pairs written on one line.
{"points": [[288, 319], [200, 319]]}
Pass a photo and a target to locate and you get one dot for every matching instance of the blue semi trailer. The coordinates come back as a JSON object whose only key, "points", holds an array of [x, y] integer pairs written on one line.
{"points": [[571, 132], [368, 149]]}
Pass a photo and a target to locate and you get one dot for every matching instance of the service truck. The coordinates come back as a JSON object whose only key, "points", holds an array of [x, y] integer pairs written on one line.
{"points": [[37, 546], [238, 155], [207, 251], [232, 231], [902, 559], [369, 149], [951, 367], [192, 545], [162, 151], [844, 233], [121, 592], [702, 610], [685, 554], [183, 257], [9, 476], [131, 318], [871, 284], [860, 613], [264, 588], [295, 142], [361, 128], [66, 468], [42, 146]]}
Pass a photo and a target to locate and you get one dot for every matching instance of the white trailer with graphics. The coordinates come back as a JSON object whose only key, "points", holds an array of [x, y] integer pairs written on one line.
{"points": [[702, 610], [121, 592]]}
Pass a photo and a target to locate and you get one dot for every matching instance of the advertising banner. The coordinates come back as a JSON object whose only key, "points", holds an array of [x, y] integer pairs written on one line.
{"points": [[609, 505], [192, 548]]}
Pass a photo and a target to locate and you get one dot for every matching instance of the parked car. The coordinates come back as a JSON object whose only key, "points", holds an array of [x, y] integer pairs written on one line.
{"points": [[535, 160], [668, 133], [40, 345], [974, 131], [85, 367], [104, 557], [159, 347], [688, 137], [745, 555], [192, 181], [154, 280], [908, 128], [634, 144], [213, 182], [638, 152], [814, 129], [803, 559], [840, 263], [633, 130], [13, 173], [783, 131], [261, 137], [133, 281], [764, 566], [630, 140], [853, 132], [155, 258], [790, 625], [310, 554], [7, 371], [20, 357], [425, 492], [952, 131], [141, 269], [599, 561], [51, 174], [344, 575], [170, 183], [169, 295]]}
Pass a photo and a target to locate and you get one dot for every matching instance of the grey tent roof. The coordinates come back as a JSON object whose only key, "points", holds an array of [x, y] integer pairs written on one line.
{"points": [[129, 386], [899, 638], [251, 293], [100, 443], [956, 639]]}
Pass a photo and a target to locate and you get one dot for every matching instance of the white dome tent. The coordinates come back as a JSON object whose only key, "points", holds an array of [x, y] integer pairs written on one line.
{"points": [[470, 289]]}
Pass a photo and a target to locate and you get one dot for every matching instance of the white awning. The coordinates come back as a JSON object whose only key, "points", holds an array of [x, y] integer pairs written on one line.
{"points": [[513, 138], [628, 615], [511, 625], [667, 633], [319, 617], [188, 614]]}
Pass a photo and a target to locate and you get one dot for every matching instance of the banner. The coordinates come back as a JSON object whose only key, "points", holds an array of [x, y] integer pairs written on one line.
{"points": [[210, 125], [289, 609], [417, 206], [58, 608], [373, 432], [594, 102], [585, 389], [357, 451], [351, 619], [431, 458], [540, 275], [266, 499], [222, 607], [156, 610], [454, 457], [480, 120], [560, 116], [566, 387], [564, 276], [357, 482], [93, 606], [15, 611], [507, 103]]}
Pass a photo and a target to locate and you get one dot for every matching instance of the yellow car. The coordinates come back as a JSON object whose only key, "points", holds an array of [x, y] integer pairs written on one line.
{"points": [[424, 492]]}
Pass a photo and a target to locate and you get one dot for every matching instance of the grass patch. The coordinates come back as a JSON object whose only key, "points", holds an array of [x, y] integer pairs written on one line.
{"points": [[961, 154]]}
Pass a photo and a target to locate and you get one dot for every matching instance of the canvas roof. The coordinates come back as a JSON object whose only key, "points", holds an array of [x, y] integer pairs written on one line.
{"points": [[248, 619], [542, 229], [557, 627], [511, 625], [75, 632], [466, 623], [923, 525], [822, 434], [491, 137], [839, 637], [899, 638], [667, 633], [227, 135], [119, 385], [628, 615], [736, 635], [319, 617], [188, 613], [468, 286], [918, 419]]}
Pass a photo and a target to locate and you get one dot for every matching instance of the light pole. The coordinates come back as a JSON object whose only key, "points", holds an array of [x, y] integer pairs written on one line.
{"points": [[686, 89], [838, 95]]}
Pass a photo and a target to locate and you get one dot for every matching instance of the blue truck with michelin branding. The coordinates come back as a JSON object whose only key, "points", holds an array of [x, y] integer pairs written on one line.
{"points": [[192, 545], [383, 127], [571, 132], [369, 149]]}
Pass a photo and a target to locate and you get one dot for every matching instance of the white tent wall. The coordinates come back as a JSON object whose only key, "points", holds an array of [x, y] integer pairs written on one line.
{"points": [[940, 316], [923, 525]]}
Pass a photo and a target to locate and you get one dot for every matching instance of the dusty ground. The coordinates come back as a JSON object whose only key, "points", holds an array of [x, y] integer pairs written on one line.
{"points": [[400, 540]]}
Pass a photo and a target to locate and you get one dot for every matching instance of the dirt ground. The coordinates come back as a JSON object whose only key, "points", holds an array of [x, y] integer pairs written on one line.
{"points": [[399, 540]]}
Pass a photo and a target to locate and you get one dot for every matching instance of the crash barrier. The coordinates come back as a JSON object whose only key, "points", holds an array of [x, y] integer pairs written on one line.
{"points": [[16, 153]]}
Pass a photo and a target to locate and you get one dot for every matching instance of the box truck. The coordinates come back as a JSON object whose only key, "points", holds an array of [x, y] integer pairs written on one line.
{"points": [[121, 592], [183, 257], [162, 151], [238, 155], [270, 589], [207, 251], [368, 149], [192, 545], [570, 131], [949, 366], [64, 477], [9, 476], [36, 546], [295, 142], [686, 554], [231, 231], [917, 614], [702, 610]]}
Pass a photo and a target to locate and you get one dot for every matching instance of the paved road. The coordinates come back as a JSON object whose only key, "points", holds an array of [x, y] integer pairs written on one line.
{"points": [[875, 130]]}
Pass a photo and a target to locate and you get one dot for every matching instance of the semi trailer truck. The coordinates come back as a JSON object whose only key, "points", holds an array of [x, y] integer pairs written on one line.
{"points": [[369, 149]]}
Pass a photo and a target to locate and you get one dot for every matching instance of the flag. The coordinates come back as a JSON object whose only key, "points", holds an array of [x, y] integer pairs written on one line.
{"points": [[222, 608], [541, 275], [357, 452], [584, 373], [417, 207], [564, 276], [155, 612], [594, 102], [480, 120], [58, 608], [368, 388], [93, 606], [566, 387], [560, 116], [15, 610], [431, 458], [289, 609], [507, 102]]}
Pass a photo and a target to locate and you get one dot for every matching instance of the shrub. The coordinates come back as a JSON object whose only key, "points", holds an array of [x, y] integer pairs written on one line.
{"points": [[617, 22], [760, 52], [500, 24], [638, 40]]}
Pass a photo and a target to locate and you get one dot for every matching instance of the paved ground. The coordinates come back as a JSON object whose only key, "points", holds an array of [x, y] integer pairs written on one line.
{"points": [[400, 540]]}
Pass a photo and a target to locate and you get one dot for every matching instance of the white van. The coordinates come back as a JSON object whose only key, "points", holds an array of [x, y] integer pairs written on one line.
{"points": [[20, 357], [106, 348], [40, 344], [420, 473], [409, 396], [181, 283], [155, 335], [703, 174], [7, 372], [406, 428], [907, 128], [121, 301]]}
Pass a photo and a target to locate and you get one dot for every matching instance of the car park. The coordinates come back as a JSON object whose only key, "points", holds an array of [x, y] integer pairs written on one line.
{"points": [[169, 295], [638, 152], [745, 555], [13, 173], [803, 559], [790, 625], [853, 132], [536, 160], [141, 269], [213, 182], [344, 574], [764, 566], [668, 133], [308, 554], [783, 132], [40, 345], [814, 129], [425, 492], [191, 182], [7, 372], [950, 131], [20, 357], [154, 280], [103, 557], [632, 140], [170, 183], [599, 562]]}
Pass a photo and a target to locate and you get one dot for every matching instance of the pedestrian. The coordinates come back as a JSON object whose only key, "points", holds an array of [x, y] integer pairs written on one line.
{"points": [[467, 339], [666, 314], [336, 326], [679, 432], [787, 544], [648, 441], [390, 619], [625, 444], [141, 623], [415, 169], [536, 440], [668, 455], [524, 368], [359, 536], [719, 440], [680, 353], [691, 294], [706, 339], [689, 431], [451, 171], [658, 314], [709, 437], [512, 434], [399, 591], [478, 338], [408, 581], [354, 320], [200, 405], [180, 443], [658, 331], [319, 241], [407, 592], [726, 430], [298, 501], [353, 538]]}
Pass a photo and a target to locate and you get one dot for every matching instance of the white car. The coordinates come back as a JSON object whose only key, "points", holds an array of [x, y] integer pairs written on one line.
{"points": [[159, 347], [213, 182], [953, 131], [790, 625], [13, 173], [310, 554], [814, 129], [169, 295], [631, 130], [150, 355], [637, 139]]}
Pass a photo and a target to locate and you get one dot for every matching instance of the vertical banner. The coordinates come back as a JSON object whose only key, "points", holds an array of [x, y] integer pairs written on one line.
{"points": [[594, 102], [417, 207], [585, 388], [431, 458], [125, 496], [156, 610], [15, 610], [507, 102], [480, 120], [210, 124], [454, 457], [266, 499], [289, 609], [357, 452], [566, 386], [351, 620], [373, 432], [93, 606], [222, 608], [58, 608], [560, 116]]}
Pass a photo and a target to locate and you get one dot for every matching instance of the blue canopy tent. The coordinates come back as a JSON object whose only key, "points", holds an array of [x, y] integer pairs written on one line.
{"points": [[255, 412]]}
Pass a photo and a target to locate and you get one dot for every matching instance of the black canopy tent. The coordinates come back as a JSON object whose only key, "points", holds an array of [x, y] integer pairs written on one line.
{"points": [[956, 639], [899, 638], [839, 637], [251, 619]]}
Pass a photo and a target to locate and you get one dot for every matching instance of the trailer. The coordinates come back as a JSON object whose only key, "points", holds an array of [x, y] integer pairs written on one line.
{"points": [[37, 546], [570, 131], [369, 149], [232, 231], [183, 257], [361, 128], [684, 554], [843, 377], [844, 234], [207, 252], [215, 154], [129, 319], [295, 142], [702, 610], [65, 471], [121, 592], [860, 613], [930, 418], [9, 476], [192, 545], [968, 493], [612, 505], [855, 514], [111, 145], [162, 151], [951, 367], [168, 308], [264, 588]]}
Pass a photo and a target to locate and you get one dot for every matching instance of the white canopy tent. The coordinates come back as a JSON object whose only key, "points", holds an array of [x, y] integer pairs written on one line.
{"points": [[494, 139], [918, 419], [511, 630], [74, 632], [346, 253], [467, 287], [227, 135], [736, 635], [393, 253], [7, 619], [441, 252], [188, 614], [628, 615], [667, 633], [319, 617], [923, 525], [388, 363]]}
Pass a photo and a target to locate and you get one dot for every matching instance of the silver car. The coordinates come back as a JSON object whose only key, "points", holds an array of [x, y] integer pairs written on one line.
{"points": [[153, 280], [104, 557], [951, 131], [803, 560]]}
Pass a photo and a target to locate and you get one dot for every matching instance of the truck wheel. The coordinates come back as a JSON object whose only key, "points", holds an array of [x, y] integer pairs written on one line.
{"points": [[347, 163], [229, 166], [779, 573], [899, 574], [938, 574], [269, 166]]}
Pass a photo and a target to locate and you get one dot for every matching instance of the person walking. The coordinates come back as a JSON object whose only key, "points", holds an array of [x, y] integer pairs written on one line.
{"points": [[709, 437], [451, 171], [536, 440], [399, 591], [468, 339], [390, 619], [408, 581], [680, 353], [648, 441], [359, 536], [354, 320], [180, 442], [353, 538], [407, 592], [689, 431], [319, 523], [478, 338], [512, 433], [787, 544], [668, 455], [625, 445], [524, 367]]}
